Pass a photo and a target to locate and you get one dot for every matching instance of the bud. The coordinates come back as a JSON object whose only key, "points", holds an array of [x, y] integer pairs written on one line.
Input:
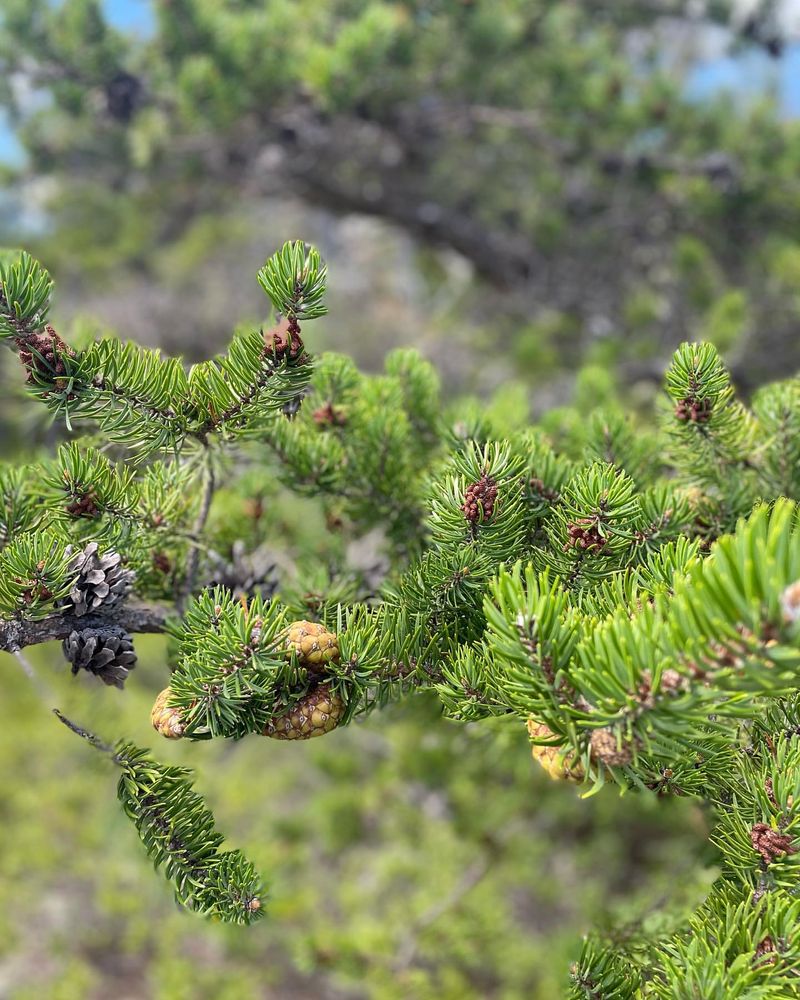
{"points": [[790, 603], [607, 750]]}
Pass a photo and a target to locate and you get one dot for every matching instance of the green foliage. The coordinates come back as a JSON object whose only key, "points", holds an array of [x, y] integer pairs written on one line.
{"points": [[229, 667], [633, 599], [534, 145], [34, 575], [294, 279], [25, 289]]}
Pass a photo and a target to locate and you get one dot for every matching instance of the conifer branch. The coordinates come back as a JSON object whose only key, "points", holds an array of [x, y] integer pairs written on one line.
{"points": [[632, 600]]}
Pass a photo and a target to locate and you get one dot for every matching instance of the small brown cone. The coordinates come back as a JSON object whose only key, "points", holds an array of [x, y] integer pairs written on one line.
{"points": [[315, 715], [606, 750], [553, 759], [314, 645], [167, 720]]}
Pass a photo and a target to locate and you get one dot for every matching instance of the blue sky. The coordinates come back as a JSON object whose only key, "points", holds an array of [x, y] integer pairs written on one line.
{"points": [[751, 72], [130, 15], [744, 74]]}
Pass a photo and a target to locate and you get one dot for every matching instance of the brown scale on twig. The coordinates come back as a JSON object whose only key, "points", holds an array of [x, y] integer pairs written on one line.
{"points": [[283, 340]]}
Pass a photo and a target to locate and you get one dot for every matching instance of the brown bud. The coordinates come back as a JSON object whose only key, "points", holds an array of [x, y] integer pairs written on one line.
{"points": [[166, 719], [766, 951], [607, 750], [672, 682], [329, 416], [584, 534], [83, 505], [283, 340], [43, 355], [479, 500], [545, 492], [694, 410], [162, 562]]}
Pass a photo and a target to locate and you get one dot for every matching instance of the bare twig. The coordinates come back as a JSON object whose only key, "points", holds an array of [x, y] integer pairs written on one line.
{"points": [[471, 877], [84, 733], [193, 559], [134, 618]]}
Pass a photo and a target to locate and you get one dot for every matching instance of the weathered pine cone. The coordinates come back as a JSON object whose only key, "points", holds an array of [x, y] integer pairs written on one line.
{"points": [[106, 652], [553, 759], [245, 574], [314, 645], [167, 720], [102, 581], [319, 712]]}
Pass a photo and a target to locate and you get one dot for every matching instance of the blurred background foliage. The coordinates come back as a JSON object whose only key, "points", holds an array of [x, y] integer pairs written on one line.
{"points": [[542, 197]]}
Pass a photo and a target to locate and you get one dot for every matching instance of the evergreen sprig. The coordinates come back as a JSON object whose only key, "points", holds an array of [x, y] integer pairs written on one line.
{"points": [[178, 832], [25, 288], [294, 279]]}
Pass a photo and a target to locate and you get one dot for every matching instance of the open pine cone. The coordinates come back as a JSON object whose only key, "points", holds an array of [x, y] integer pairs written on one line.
{"points": [[107, 653], [102, 581]]}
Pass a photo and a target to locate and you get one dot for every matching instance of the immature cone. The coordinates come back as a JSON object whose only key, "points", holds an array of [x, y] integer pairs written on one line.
{"points": [[314, 645], [315, 715], [102, 582], [167, 720], [106, 652], [606, 750], [552, 758]]}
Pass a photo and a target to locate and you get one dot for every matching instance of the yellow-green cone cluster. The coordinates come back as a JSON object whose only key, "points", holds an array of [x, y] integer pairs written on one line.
{"points": [[314, 645], [317, 713]]}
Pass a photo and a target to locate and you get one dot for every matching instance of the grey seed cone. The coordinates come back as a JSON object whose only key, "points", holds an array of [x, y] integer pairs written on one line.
{"points": [[102, 582], [106, 652]]}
